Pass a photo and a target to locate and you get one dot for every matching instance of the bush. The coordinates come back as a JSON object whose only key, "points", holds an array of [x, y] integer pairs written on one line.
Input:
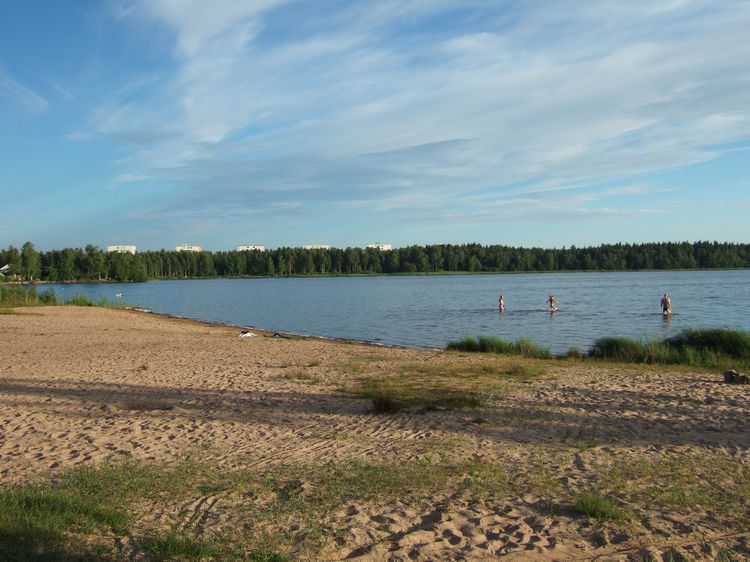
{"points": [[19, 295], [489, 344], [715, 347], [719, 341]]}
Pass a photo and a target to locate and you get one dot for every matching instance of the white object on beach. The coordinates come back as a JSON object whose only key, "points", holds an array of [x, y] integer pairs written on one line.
{"points": [[246, 334]]}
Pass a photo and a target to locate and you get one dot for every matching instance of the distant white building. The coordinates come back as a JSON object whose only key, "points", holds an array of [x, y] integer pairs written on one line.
{"points": [[188, 248], [121, 249], [251, 248], [380, 246], [316, 247]]}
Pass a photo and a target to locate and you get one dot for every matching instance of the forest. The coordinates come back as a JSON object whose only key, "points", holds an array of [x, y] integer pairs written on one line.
{"points": [[94, 264]]}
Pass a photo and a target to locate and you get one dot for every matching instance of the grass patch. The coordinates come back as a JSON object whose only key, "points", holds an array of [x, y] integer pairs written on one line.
{"points": [[76, 516], [713, 348], [523, 372], [21, 295], [684, 482], [302, 376], [351, 367], [707, 348], [443, 386], [173, 546], [68, 518], [282, 512], [487, 344], [598, 507]]}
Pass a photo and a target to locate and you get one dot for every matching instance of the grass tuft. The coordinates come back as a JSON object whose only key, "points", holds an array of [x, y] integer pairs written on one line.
{"points": [[172, 546], [487, 344], [598, 507]]}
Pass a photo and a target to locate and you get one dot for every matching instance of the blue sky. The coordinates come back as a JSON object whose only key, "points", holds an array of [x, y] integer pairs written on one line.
{"points": [[273, 122]]}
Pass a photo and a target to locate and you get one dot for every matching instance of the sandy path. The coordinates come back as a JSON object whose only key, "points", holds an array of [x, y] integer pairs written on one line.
{"points": [[83, 385]]}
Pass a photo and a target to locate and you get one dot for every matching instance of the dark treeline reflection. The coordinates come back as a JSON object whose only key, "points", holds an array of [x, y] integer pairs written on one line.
{"points": [[93, 264]]}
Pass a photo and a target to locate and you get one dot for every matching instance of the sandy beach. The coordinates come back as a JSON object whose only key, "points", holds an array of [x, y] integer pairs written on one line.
{"points": [[84, 386]]}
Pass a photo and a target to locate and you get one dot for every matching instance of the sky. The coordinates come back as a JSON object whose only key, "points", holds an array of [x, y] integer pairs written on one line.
{"points": [[283, 123]]}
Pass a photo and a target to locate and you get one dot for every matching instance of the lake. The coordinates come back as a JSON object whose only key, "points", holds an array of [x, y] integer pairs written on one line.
{"points": [[428, 311]]}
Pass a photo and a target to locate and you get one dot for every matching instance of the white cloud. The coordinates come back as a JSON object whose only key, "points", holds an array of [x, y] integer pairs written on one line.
{"points": [[21, 95], [375, 102], [198, 23], [123, 179]]}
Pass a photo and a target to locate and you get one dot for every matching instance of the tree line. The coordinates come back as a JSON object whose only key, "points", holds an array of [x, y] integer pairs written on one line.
{"points": [[93, 264]]}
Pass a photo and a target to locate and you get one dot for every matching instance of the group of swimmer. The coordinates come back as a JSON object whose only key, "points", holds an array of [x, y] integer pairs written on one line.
{"points": [[552, 302]]}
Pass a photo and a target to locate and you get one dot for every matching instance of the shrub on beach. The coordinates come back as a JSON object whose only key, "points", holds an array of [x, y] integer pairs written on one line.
{"points": [[711, 347], [19, 295], [488, 344], [721, 341]]}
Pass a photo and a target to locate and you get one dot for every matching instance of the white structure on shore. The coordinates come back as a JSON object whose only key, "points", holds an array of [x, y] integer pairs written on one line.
{"points": [[188, 248], [121, 249], [316, 247], [380, 246], [251, 248]]}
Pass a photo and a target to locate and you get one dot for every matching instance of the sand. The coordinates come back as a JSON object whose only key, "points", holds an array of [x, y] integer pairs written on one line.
{"points": [[87, 385]]}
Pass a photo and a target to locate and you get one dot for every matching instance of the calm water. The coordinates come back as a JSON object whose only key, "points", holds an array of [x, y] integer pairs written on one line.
{"points": [[430, 311]]}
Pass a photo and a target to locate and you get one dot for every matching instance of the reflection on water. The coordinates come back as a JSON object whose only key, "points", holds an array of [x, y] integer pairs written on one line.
{"points": [[431, 310]]}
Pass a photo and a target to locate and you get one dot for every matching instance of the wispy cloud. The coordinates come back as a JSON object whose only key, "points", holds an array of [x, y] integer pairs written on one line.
{"points": [[274, 105], [20, 95], [638, 190], [123, 179]]}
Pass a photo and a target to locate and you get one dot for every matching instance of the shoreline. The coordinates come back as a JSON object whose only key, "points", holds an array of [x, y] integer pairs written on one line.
{"points": [[366, 275], [270, 333]]}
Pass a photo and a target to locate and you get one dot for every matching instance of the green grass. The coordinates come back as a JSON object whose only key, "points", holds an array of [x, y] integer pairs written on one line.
{"points": [[20, 295], [76, 515], [281, 512], [65, 519], [708, 348], [487, 344], [173, 546], [301, 375], [443, 386], [598, 507], [713, 347]]}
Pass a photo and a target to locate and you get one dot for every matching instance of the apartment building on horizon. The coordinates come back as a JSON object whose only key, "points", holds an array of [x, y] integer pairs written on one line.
{"points": [[188, 248], [380, 246], [121, 249]]}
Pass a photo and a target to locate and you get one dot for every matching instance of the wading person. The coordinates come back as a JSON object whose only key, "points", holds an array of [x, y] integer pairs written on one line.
{"points": [[501, 303], [666, 305], [552, 303]]}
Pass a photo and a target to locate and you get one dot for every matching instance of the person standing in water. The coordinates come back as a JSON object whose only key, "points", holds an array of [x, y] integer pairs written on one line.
{"points": [[501, 303], [666, 305], [552, 303]]}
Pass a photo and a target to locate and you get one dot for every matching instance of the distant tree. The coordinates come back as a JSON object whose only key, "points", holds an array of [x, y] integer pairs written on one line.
{"points": [[31, 264]]}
